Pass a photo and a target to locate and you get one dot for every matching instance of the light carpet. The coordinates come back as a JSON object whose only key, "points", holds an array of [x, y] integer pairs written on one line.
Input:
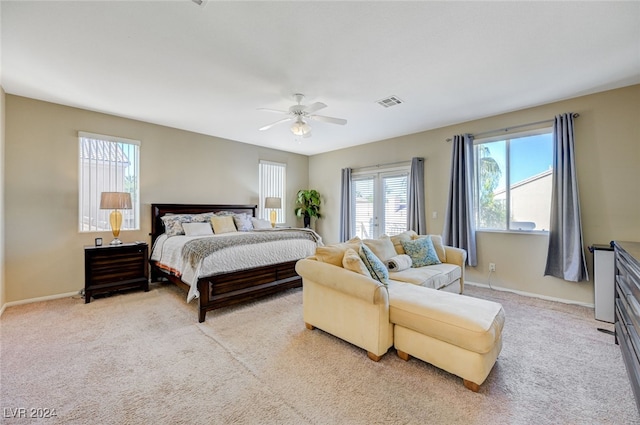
{"points": [[142, 358]]}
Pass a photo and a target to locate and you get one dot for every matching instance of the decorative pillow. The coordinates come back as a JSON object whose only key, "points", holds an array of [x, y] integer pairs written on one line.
{"points": [[224, 213], [404, 236], [438, 245], [202, 218], [376, 268], [333, 254], [421, 251], [381, 247], [352, 261], [173, 223], [197, 229], [243, 222], [260, 223], [223, 224]]}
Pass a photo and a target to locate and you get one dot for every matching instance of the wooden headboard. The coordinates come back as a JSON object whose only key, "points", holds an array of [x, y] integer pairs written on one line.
{"points": [[159, 210]]}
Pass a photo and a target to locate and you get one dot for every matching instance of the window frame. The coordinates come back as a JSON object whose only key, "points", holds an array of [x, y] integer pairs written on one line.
{"points": [[94, 202], [547, 130], [378, 175], [266, 190]]}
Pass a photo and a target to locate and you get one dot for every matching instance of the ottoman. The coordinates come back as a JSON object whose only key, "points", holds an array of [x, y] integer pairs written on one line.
{"points": [[456, 333]]}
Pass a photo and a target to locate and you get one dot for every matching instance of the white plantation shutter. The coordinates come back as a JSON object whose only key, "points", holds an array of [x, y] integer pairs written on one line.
{"points": [[395, 203], [363, 197]]}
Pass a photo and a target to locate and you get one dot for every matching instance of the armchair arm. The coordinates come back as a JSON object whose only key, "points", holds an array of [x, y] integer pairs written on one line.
{"points": [[457, 256], [342, 280]]}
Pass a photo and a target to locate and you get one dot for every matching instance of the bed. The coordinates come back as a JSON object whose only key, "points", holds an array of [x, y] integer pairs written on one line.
{"points": [[235, 274]]}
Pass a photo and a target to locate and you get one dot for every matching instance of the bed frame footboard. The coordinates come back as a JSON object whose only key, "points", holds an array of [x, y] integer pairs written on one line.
{"points": [[225, 289], [228, 289]]}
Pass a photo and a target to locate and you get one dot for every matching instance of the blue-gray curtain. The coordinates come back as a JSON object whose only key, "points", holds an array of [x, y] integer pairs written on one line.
{"points": [[345, 207], [565, 257], [459, 224], [416, 217]]}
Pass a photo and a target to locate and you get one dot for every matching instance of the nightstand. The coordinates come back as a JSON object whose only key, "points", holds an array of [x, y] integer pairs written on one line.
{"points": [[112, 267]]}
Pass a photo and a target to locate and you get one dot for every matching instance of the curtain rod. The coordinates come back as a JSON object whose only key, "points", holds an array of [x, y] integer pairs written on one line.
{"points": [[388, 164], [505, 129]]}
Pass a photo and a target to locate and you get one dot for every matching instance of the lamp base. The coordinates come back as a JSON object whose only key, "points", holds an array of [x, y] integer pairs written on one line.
{"points": [[116, 241], [273, 217]]}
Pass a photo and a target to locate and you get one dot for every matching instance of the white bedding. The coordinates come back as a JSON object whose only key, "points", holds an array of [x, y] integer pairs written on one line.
{"points": [[167, 251]]}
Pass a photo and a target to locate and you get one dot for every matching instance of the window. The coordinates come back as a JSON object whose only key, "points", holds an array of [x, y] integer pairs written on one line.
{"points": [[273, 176], [513, 180], [107, 164], [379, 200]]}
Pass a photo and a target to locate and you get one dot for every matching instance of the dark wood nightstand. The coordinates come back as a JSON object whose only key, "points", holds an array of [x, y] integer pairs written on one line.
{"points": [[112, 267]]}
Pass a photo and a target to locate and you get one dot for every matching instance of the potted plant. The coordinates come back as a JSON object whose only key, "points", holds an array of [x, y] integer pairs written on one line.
{"points": [[308, 205]]}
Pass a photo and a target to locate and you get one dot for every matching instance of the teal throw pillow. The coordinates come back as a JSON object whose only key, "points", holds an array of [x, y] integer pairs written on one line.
{"points": [[375, 266], [421, 251]]}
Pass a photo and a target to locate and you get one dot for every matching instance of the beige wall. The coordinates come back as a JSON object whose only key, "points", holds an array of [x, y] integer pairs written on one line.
{"points": [[44, 250], [3, 295], [608, 162]]}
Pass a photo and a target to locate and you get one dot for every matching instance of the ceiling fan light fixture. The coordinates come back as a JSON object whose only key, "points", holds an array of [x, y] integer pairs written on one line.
{"points": [[301, 128]]}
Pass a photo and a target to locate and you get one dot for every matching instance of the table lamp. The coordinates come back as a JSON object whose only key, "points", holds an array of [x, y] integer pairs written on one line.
{"points": [[115, 201], [273, 204]]}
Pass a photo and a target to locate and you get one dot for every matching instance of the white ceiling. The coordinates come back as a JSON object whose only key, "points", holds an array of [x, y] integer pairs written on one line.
{"points": [[208, 69]]}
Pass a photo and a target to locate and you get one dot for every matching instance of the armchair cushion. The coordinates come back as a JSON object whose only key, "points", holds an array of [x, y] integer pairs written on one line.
{"points": [[437, 276], [352, 261], [382, 247], [404, 236], [333, 254]]}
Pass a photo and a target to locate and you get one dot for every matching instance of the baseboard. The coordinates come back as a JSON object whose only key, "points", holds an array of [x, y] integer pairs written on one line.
{"points": [[38, 299], [529, 294]]}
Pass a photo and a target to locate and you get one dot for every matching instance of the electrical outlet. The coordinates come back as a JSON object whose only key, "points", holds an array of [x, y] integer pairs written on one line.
{"points": [[492, 267]]}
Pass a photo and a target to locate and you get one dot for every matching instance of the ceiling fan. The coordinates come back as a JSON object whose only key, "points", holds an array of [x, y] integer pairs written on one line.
{"points": [[300, 115]]}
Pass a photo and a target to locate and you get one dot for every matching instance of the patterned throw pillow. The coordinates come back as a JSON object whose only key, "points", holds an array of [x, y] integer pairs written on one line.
{"points": [[225, 213], [376, 267], [173, 223], [202, 218], [421, 251], [243, 222]]}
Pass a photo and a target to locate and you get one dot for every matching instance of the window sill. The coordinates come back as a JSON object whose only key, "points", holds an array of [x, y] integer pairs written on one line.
{"points": [[515, 232]]}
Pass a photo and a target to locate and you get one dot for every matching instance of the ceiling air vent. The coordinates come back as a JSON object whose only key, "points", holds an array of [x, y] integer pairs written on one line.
{"points": [[390, 101]]}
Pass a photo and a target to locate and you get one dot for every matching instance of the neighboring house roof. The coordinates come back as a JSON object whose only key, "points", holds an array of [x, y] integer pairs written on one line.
{"points": [[103, 151], [525, 181]]}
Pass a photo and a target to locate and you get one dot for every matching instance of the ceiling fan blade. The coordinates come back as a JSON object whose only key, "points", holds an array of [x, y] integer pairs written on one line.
{"points": [[268, 126], [277, 111], [331, 120], [314, 107]]}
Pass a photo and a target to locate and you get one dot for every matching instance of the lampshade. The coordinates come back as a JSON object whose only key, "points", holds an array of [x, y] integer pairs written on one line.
{"points": [[301, 128], [272, 202], [115, 201]]}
